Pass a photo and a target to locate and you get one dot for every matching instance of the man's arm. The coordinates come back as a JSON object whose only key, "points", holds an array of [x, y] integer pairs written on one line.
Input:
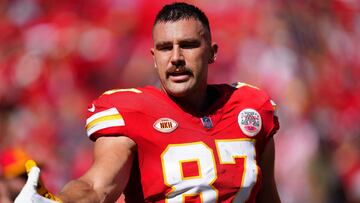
{"points": [[108, 175], [268, 191]]}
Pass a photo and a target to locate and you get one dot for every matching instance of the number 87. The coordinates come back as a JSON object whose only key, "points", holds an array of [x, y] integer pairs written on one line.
{"points": [[228, 150]]}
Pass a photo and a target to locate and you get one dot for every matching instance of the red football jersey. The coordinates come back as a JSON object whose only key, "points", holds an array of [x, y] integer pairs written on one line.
{"points": [[185, 158]]}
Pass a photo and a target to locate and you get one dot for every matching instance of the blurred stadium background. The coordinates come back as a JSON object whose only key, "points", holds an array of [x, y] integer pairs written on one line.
{"points": [[56, 56]]}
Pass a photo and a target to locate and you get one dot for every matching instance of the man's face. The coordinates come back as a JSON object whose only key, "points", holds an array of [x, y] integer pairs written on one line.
{"points": [[182, 52]]}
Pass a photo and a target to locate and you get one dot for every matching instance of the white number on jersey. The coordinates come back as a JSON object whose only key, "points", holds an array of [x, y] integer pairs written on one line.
{"points": [[202, 185]]}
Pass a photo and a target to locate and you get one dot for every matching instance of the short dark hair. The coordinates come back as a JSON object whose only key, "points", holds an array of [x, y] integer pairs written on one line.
{"points": [[179, 11]]}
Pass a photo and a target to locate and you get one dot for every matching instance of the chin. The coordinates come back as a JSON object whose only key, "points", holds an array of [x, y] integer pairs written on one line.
{"points": [[178, 90], [177, 94]]}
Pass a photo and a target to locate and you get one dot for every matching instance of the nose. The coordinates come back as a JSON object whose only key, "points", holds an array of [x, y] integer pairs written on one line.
{"points": [[177, 58]]}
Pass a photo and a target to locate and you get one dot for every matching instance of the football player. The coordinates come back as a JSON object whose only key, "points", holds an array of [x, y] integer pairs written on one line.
{"points": [[187, 141]]}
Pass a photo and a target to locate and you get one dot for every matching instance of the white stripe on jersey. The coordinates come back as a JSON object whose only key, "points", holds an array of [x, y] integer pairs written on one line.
{"points": [[108, 112], [105, 124]]}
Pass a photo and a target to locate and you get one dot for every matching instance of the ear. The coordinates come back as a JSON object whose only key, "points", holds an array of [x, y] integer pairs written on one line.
{"points": [[213, 54], [153, 55]]}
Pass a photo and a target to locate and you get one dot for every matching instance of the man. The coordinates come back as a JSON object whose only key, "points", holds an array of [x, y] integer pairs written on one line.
{"points": [[188, 141]]}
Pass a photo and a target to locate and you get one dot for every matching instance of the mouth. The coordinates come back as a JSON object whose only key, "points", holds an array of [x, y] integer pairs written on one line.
{"points": [[179, 75]]}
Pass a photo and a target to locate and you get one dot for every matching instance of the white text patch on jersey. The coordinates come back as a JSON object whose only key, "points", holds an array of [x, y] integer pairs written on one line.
{"points": [[250, 122], [104, 119], [165, 125]]}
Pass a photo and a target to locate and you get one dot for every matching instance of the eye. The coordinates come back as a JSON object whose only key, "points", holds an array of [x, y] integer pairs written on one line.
{"points": [[164, 47], [190, 44]]}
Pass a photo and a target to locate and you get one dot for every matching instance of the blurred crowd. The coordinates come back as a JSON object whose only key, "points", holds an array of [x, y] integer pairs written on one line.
{"points": [[56, 56]]}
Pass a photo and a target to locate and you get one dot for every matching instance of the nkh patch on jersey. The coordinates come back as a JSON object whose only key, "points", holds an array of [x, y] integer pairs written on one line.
{"points": [[104, 119], [250, 122], [165, 125]]}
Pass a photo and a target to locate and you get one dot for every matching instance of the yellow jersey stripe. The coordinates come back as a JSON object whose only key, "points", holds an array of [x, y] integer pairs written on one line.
{"points": [[104, 118], [107, 112], [134, 90], [273, 104], [105, 124], [242, 84]]}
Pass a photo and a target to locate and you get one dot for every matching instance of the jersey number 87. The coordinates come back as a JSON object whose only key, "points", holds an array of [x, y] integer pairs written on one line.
{"points": [[202, 185]]}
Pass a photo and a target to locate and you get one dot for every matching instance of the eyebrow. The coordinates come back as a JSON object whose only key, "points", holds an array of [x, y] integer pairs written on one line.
{"points": [[183, 41]]}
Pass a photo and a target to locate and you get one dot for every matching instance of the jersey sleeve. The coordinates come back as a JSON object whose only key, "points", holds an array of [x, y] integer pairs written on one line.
{"points": [[104, 119], [261, 101], [271, 122]]}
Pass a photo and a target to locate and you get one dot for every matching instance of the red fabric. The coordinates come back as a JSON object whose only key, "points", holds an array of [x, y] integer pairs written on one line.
{"points": [[141, 110]]}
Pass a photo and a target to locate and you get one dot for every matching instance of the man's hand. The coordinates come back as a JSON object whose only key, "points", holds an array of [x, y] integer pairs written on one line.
{"points": [[32, 187]]}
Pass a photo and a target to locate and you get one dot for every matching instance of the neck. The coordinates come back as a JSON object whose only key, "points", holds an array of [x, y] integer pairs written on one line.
{"points": [[196, 103]]}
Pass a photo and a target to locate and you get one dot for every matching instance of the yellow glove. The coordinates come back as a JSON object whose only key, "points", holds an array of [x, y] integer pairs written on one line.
{"points": [[34, 190]]}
